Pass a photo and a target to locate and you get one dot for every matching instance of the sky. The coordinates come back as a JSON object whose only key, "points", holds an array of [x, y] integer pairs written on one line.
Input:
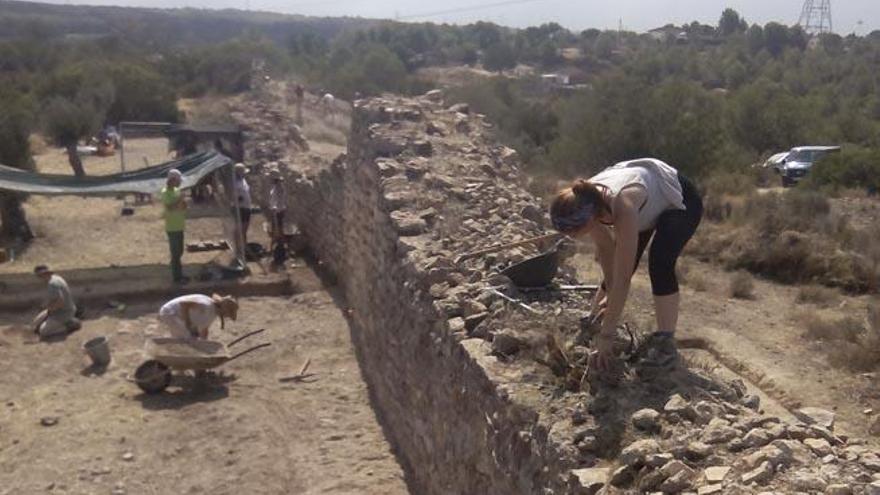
{"points": [[859, 16]]}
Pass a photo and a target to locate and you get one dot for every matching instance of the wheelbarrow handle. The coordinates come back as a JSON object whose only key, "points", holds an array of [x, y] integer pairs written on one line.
{"points": [[509, 245], [245, 336], [242, 353]]}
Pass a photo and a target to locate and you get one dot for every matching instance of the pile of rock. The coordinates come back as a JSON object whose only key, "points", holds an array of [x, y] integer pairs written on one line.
{"points": [[714, 445]]}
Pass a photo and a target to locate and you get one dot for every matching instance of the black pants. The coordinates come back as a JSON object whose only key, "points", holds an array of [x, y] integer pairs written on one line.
{"points": [[673, 230], [175, 245]]}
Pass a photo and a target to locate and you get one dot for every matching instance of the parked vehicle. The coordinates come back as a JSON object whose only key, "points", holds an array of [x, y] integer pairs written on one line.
{"points": [[800, 160], [775, 161]]}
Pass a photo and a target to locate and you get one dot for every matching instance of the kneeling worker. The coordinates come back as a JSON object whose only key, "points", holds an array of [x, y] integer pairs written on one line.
{"points": [[59, 313], [190, 316]]}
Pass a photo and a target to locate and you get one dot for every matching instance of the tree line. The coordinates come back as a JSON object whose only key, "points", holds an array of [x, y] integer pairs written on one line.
{"points": [[705, 98]]}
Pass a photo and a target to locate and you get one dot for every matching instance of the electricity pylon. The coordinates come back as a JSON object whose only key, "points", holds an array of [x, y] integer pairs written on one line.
{"points": [[816, 17]]}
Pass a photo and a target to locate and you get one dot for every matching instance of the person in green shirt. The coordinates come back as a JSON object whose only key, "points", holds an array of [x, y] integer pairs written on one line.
{"points": [[175, 221]]}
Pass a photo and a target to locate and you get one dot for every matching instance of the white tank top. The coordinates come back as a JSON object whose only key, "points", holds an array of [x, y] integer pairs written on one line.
{"points": [[659, 180], [201, 316]]}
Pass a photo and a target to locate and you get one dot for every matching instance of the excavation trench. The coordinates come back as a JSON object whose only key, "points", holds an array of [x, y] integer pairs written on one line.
{"points": [[248, 429]]}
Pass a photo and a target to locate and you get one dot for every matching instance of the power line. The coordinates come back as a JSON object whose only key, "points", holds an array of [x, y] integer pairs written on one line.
{"points": [[467, 9]]}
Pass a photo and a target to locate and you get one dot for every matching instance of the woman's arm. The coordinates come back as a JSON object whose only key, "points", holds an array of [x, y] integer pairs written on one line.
{"points": [[626, 232], [604, 240]]}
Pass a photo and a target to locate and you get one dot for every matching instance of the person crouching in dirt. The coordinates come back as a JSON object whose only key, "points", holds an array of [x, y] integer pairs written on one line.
{"points": [[58, 316], [190, 316], [621, 209]]}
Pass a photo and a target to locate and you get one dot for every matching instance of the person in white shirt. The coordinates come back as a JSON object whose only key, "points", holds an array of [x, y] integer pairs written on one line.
{"points": [[190, 316], [243, 192], [277, 203], [622, 209]]}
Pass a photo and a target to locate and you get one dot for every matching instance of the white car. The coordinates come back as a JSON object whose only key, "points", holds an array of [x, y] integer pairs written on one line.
{"points": [[800, 160], [775, 161]]}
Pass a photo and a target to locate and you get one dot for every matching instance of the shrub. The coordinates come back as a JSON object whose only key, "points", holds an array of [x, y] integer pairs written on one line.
{"points": [[864, 353], [851, 168], [818, 295], [846, 329], [742, 286]]}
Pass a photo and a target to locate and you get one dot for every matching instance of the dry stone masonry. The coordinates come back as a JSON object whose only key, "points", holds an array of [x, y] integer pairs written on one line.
{"points": [[479, 395]]}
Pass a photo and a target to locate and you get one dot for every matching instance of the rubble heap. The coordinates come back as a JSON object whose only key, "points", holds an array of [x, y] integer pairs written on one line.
{"points": [[481, 395]]}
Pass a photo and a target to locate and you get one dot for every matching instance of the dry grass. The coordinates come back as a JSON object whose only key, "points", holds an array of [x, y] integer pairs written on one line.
{"points": [[742, 286], [37, 144], [818, 295], [697, 282], [862, 354], [327, 131], [206, 110], [817, 327], [792, 238]]}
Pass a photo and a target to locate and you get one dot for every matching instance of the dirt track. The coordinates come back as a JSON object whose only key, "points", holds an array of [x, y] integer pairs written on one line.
{"points": [[251, 434]]}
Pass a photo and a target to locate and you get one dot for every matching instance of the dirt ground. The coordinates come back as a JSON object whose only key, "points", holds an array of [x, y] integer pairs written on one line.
{"points": [[760, 339], [246, 432]]}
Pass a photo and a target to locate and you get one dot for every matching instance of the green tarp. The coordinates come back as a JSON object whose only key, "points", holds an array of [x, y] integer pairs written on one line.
{"points": [[148, 180]]}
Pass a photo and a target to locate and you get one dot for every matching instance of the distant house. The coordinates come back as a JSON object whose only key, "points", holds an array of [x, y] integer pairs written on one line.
{"points": [[669, 32], [555, 79], [565, 76]]}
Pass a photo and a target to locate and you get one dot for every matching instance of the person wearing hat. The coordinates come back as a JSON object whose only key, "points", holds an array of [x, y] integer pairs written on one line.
{"points": [[58, 315], [174, 213], [190, 316], [243, 192], [622, 209]]}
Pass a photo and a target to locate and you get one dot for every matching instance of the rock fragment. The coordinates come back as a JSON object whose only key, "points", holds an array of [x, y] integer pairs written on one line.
{"points": [[816, 416], [819, 446], [838, 489], [716, 474], [591, 480], [759, 475], [646, 419], [634, 455]]}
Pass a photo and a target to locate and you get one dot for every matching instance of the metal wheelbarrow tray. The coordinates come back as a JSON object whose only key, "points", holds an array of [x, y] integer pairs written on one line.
{"points": [[167, 354], [537, 271]]}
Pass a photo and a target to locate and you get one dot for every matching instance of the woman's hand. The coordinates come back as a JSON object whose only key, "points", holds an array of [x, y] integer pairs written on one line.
{"points": [[605, 357]]}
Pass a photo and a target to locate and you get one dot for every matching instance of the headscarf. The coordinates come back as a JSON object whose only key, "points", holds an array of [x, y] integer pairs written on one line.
{"points": [[574, 220]]}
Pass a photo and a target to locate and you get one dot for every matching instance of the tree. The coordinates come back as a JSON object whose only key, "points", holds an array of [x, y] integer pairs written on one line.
{"points": [[66, 121], [776, 38], [499, 57], [15, 127], [731, 23], [755, 38]]}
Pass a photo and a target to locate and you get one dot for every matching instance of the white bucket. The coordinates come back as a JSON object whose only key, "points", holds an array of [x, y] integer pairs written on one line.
{"points": [[99, 350]]}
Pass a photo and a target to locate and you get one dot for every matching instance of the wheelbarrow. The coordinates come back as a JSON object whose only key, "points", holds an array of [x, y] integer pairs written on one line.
{"points": [[172, 354], [537, 271]]}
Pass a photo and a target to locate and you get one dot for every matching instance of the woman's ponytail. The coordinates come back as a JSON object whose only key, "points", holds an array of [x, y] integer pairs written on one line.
{"points": [[587, 193]]}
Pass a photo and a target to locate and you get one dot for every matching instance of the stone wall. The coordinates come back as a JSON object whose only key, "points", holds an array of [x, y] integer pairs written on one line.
{"points": [[367, 218], [468, 387]]}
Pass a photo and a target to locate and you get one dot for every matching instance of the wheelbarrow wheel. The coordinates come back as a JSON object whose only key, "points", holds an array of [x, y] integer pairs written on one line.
{"points": [[153, 376]]}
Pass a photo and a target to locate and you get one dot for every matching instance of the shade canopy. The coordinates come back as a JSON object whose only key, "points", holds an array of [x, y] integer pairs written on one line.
{"points": [[148, 180]]}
